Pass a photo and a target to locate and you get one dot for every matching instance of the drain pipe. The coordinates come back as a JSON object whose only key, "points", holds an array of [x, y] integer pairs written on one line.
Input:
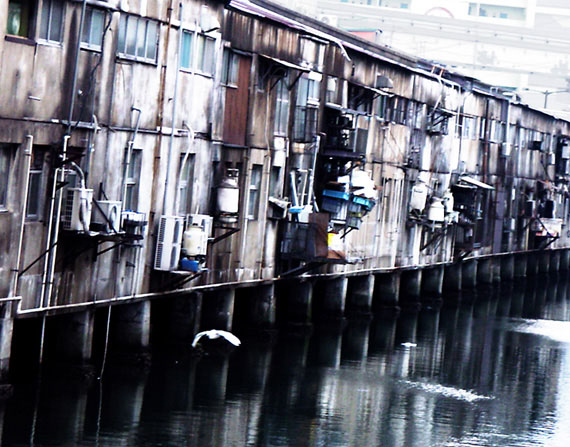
{"points": [[24, 196], [174, 107], [53, 229], [76, 65]]}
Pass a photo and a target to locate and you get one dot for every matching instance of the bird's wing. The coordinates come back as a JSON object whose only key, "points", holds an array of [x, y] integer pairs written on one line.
{"points": [[197, 338], [230, 337]]}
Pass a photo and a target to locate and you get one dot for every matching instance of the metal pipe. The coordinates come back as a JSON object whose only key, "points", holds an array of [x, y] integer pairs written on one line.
{"points": [[174, 104], [24, 194], [58, 203], [76, 65]]}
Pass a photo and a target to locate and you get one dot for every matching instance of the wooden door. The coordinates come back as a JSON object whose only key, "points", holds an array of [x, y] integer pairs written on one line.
{"points": [[237, 104]]}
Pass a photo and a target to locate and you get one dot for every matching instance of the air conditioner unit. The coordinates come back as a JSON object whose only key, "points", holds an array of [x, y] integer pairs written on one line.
{"points": [[76, 214], [106, 216], [329, 20], [168, 243], [202, 220]]}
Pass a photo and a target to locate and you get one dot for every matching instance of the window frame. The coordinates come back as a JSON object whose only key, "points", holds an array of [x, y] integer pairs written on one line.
{"points": [[282, 107], [88, 25], [125, 52], [307, 105], [253, 191], [131, 179], [47, 39], [7, 151], [185, 183], [195, 53], [37, 173]]}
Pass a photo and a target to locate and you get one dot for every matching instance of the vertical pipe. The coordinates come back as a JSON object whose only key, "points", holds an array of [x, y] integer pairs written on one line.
{"points": [[24, 204], [174, 109], [76, 66]]}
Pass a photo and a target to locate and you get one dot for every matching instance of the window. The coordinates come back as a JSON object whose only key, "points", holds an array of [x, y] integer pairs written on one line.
{"points": [[332, 90], [275, 182], [36, 187], [92, 36], [205, 52], [399, 110], [281, 107], [230, 66], [51, 20], [20, 18], [306, 109], [185, 185], [6, 151], [132, 179], [254, 188], [138, 38]]}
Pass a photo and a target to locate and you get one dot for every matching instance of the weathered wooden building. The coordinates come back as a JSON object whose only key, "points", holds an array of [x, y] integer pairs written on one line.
{"points": [[154, 146]]}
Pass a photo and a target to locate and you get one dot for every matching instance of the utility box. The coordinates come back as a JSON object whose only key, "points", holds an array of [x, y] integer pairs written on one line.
{"points": [[168, 243], [77, 206]]}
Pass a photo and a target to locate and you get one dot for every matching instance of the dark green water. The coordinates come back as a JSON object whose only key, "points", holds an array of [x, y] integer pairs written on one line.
{"points": [[492, 370]]}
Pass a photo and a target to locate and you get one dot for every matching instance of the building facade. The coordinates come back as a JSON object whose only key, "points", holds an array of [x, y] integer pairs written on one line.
{"points": [[150, 146]]}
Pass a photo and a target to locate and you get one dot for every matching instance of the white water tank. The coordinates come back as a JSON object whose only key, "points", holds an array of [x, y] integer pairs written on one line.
{"points": [[436, 211], [419, 196], [228, 195], [195, 241]]}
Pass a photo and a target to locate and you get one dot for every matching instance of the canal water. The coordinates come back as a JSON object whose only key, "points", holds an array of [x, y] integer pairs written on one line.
{"points": [[489, 369]]}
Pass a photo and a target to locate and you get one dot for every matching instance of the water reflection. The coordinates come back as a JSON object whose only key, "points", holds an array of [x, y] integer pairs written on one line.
{"points": [[491, 369]]}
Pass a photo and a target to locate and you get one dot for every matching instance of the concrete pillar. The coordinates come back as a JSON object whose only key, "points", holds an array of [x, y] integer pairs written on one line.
{"points": [[73, 336], [332, 298], [452, 277], [507, 264], [504, 299], [130, 326], [386, 290], [262, 313], [355, 341], [218, 309], [532, 263], [184, 318], [297, 299], [485, 271], [496, 269], [520, 268], [360, 291], [327, 345], [8, 308], [411, 285], [428, 324], [517, 299], [544, 261], [382, 335], [406, 327], [211, 379], [564, 260], [469, 273], [432, 281], [554, 261]]}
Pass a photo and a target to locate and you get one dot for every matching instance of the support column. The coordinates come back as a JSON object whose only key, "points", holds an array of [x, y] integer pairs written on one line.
{"points": [[355, 340], [564, 260], [262, 313], [520, 269], [452, 277], [532, 263], [360, 291], [386, 290], [555, 261], [8, 308], [332, 297], [432, 281], [469, 273], [218, 309], [130, 326], [411, 285], [496, 269], [507, 267], [544, 261], [184, 318], [297, 298], [73, 336], [485, 271]]}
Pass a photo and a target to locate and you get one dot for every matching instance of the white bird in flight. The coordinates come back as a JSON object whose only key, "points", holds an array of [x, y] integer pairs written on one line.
{"points": [[214, 334]]}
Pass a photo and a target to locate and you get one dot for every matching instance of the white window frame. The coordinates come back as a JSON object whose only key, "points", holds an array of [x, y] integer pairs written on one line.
{"points": [[93, 41], [141, 25], [254, 190]]}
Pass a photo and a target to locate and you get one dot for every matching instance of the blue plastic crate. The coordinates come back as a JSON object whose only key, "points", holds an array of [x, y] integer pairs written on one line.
{"points": [[336, 194]]}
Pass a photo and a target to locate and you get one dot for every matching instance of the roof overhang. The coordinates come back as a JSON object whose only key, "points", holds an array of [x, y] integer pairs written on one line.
{"points": [[476, 183]]}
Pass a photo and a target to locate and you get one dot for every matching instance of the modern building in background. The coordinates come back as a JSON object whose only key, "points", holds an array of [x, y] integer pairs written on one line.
{"points": [[520, 44]]}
